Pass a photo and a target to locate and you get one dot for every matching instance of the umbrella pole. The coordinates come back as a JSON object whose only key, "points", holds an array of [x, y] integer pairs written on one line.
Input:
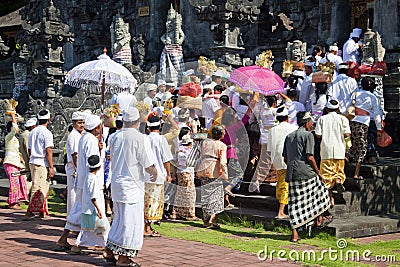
{"points": [[103, 88]]}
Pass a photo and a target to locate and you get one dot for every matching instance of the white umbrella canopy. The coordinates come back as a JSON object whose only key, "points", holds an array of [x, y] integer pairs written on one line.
{"points": [[103, 73]]}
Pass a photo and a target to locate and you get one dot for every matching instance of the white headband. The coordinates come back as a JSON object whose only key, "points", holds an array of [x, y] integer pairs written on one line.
{"points": [[153, 124], [44, 117]]}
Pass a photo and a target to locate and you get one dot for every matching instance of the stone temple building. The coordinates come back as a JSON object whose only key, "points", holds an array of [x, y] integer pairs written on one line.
{"points": [[42, 39]]}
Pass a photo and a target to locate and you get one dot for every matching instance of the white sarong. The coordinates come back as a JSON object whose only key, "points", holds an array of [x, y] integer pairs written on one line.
{"points": [[126, 233], [74, 216], [71, 195]]}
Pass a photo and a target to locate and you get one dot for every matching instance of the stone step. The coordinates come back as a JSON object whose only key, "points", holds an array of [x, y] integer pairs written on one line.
{"points": [[365, 226], [356, 226], [260, 202]]}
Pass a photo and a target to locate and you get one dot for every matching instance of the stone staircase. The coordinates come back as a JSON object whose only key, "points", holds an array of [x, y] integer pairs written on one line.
{"points": [[367, 207]]}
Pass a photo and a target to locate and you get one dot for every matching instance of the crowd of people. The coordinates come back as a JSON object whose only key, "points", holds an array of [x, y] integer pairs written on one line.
{"points": [[298, 139]]}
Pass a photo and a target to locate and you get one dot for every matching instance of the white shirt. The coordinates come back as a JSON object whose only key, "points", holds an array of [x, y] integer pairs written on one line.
{"points": [[341, 89], [149, 101], [350, 51], [293, 108], [318, 105], [332, 127], [266, 117], [72, 143], [335, 59], [368, 102], [277, 137], [307, 89], [130, 155], [124, 100], [175, 112], [88, 146], [93, 188], [162, 152], [209, 106], [40, 138]]}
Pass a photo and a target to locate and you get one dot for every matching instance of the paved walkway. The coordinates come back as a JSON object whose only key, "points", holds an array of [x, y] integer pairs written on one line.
{"points": [[32, 243]]}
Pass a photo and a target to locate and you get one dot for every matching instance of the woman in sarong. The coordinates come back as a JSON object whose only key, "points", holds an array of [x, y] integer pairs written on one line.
{"points": [[211, 171]]}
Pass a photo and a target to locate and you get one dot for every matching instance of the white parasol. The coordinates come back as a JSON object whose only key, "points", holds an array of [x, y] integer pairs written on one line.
{"points": [[103, 73]]}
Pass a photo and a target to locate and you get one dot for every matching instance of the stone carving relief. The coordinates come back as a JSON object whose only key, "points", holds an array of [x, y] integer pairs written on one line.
{"points": [[120, 39], [372, 48], [3, 48], [139, 51], [296, 51]]}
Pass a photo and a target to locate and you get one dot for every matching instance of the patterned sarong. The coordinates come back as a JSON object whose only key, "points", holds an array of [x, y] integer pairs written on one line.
{"points": [[307, 200], [212, 197], [358, 138], [172, 64], [185, 198], [153, 202]]}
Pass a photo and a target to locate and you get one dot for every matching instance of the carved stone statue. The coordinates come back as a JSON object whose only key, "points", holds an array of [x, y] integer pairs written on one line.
{"points": [[373, 50], [120, 39], [296, 51], [171, 60], [139, 50], [174, 33]]}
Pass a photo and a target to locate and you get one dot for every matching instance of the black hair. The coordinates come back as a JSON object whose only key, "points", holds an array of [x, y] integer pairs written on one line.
{"points": [[300, 121], [224, 99], [110, 132], [219, 88], [119, 124], [292, 81], [316, 50], [70, 127], [206, 90], [154, 118], [281, 118], [174, 99], [184, 131], [93, 160], [9, 126], [217, 132], [343, 71], [320, 89], [333, 102], [271, 100], [368, 84], [291, 93]]}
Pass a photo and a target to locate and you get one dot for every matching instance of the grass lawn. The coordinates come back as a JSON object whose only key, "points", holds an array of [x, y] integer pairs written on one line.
{"points": [[243, 235]]}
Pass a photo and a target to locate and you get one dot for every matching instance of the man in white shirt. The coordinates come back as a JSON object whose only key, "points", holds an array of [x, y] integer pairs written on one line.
{"points": [[162, 86], [350, 48], [88, 145], [332, 56], [333, 128], [209, 106], [40, 145], [78, 123], [123, 99], [276, 137], [131, 157], [154, 191], [342, 87], [151, 93], [293, 106], [307, 87]]}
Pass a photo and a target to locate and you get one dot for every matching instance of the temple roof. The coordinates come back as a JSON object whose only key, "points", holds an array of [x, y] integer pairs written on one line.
{"points": [[11, 19]]}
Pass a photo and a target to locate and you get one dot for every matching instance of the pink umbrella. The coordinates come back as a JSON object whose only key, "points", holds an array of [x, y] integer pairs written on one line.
{"points": [[257, 79]]}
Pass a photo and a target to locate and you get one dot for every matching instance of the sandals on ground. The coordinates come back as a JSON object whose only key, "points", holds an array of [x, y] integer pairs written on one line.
{"points": [[153, 233], [325, 221]]}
